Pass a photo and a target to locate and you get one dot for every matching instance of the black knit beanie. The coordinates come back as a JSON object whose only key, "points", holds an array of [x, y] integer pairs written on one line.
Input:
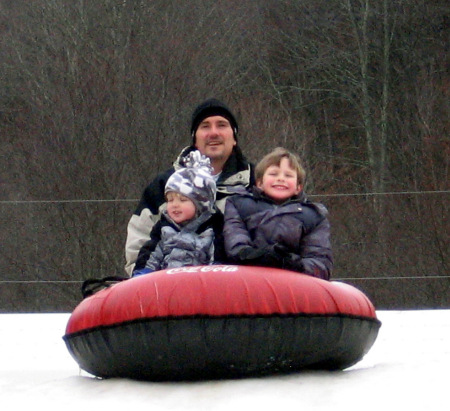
{"points": [[212, 107]]}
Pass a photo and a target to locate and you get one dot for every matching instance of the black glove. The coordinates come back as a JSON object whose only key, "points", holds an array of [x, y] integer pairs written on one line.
{"points": [[281, 250], [266, 256], [288, 259], [250, 253]]}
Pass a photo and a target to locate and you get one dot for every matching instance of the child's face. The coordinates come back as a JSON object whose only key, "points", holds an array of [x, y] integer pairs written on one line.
{"points": [[179, 207], [280, 182]]}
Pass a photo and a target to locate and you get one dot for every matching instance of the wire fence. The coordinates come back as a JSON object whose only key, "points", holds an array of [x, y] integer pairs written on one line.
{"points": [[135, 200], [77, 218]]}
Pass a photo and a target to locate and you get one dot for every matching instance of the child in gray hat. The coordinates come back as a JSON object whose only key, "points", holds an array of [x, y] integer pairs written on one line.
{"points": [[189, 231]]}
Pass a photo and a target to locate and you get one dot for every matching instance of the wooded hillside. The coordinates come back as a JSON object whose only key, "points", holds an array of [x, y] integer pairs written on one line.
{"points": [[96, 98]]}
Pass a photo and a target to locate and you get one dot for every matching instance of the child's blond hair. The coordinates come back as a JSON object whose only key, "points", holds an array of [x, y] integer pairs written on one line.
{"points": [[274, 159]]}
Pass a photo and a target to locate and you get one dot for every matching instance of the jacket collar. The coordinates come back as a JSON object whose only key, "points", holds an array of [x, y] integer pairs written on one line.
{"points": [[299, 198], [192, 225]]}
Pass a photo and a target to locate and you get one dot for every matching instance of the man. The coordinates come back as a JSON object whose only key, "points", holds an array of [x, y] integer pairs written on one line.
{"points": [[214, 131]]}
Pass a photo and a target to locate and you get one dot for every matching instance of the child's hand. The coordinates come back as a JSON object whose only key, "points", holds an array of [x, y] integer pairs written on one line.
{"points": [[281, 249], [250, 253], [266, 256]]}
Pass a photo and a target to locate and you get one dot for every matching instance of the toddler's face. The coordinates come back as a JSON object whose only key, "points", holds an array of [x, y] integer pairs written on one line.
{"points": [[280, 182], [179, 207]]}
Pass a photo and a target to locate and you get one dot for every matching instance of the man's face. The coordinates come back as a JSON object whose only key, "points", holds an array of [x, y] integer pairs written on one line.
{"points": [[214, 138]]}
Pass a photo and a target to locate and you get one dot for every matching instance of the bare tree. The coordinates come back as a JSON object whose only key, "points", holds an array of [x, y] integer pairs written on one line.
{"points": [[96, 99]]}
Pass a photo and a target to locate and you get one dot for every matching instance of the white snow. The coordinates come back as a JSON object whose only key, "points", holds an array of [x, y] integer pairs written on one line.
{"points": [[406, 369]]}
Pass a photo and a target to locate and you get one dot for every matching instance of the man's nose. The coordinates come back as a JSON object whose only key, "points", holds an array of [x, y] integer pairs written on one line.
{"points": [[214, 131]]}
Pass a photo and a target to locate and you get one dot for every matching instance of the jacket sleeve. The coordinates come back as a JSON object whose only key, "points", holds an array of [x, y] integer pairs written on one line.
{"points": [[315, 257], [149, 247], [216, 223], [138, 229], [143, 219], [236, 236], [155, 259], [239, 246]]}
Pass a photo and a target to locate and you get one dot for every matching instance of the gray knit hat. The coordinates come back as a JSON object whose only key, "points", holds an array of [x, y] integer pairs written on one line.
{"points": [[195, 181]]}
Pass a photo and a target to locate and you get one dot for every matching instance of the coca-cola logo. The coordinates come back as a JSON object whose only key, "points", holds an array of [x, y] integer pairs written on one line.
{"points": [[203, 269]]}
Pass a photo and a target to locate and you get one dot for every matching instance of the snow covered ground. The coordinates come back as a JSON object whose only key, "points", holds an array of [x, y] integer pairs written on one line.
{"points": [[406, 369]]}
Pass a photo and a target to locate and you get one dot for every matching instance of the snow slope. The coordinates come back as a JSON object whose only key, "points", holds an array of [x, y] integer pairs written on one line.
{"points": [[406, 369]]}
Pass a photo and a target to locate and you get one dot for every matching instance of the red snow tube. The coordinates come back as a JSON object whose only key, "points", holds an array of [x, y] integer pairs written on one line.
{"points": [[220, 321]]}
